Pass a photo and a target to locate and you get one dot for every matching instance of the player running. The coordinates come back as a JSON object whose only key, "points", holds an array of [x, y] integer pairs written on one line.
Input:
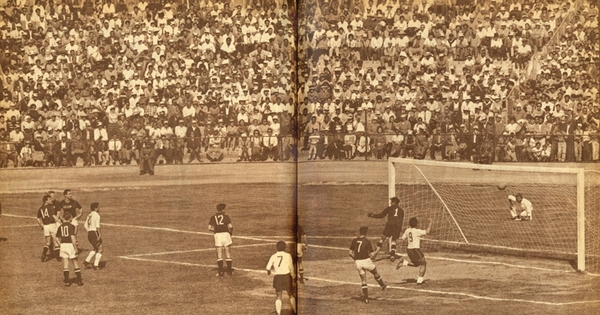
{"points": [[283, 267], [301, 247], [393, 226], [220, 224], [92, 225], [520, 208], [362, 252], [48, 219], [413, 249], [68, 248]]}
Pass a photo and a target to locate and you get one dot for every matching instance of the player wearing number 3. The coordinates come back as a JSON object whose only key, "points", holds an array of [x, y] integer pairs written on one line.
{"points": [[283, 267], [362, 252], [520, 208], [220, 224], [393, 226], [413, 249], [92, 225]]}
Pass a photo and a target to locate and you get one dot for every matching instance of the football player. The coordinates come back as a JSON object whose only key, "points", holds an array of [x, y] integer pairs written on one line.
{"points": [[220, 224], [520, 208], [361, 250]]}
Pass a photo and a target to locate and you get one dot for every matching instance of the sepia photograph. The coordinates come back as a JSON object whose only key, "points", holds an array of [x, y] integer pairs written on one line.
{"points": [[299, 157]]}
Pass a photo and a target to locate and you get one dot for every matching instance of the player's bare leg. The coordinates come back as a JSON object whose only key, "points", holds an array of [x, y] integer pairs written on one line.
{"points": [[220, 261], [378, 279], [364, 287], [422, 269], [228, 260]]}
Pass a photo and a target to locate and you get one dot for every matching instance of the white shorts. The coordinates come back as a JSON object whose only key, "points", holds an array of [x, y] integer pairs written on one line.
{"points": [[363, 265], [299, 249], [67, 250], [50, 229], [222, 239]]}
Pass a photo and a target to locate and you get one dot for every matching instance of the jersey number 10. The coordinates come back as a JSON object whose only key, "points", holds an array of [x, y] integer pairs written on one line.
{"points": [[64, 231]]}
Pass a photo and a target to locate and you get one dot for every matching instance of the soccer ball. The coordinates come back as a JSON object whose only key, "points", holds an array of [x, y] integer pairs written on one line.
{"points": [[501, 186]]}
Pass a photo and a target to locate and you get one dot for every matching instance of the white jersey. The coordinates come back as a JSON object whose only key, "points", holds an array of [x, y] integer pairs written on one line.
{"points": [[92, 223], [413, 236], [282, 264], [525, 204]]}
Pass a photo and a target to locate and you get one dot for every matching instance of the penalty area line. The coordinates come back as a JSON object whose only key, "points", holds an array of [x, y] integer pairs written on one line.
{"points": [[192, 250], [187, 264], [468, 295]]}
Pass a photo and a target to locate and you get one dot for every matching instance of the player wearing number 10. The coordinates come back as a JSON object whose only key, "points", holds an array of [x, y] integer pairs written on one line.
{"points": [[393, 226], [283, 267], [68, 248], [220, 224]]}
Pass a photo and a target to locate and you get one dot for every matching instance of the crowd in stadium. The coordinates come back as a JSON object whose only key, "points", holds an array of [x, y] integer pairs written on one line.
{"points": [[94, 82]]}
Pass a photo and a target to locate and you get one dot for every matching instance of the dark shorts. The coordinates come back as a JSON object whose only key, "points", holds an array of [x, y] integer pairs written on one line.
{"points": [[94, 240], [282, 283], [392, 231], [416, 256]]}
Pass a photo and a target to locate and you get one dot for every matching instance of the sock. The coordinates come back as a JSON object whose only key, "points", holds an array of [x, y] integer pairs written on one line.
{"points": [[78, 274], [293, 303], [66, 274], [97, 261], [405, 263], [393, 251], [420, 280], [220, 265], [278, 306], [44, 251], [379, 244], [380, 281], [301, 273], [229, 263], [57, 252], [90, 256], [365, 290]]}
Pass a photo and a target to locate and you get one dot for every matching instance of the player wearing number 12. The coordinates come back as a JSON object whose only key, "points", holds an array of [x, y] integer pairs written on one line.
{"points": [[361, 250], [220, 224], [92, 225], [283, 267], [393, 226]]}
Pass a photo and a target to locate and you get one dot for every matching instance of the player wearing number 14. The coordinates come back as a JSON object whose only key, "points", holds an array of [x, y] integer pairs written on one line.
{"points": [[220, 224], [47, 219]]}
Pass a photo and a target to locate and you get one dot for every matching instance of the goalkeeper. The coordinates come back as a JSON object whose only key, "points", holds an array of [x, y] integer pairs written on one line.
{"points": [[393, 227], [520, 208]]}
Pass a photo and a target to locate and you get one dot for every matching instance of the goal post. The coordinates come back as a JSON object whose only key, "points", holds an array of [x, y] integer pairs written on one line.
{"points": [[470, 209]]}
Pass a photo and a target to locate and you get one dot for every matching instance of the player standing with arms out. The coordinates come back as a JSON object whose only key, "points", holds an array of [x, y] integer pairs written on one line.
{"points": [[520, 208], [361, 250], [48, 219], [283, 267], [302, 246], [220, 224], [92, 225], [68, 248], [413, 249], [393, 226]]}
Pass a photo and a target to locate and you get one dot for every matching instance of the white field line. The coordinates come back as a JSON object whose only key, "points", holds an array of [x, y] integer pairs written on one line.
{"points": [[434, 292], [193, 250], [18, 226], [467, 261]]}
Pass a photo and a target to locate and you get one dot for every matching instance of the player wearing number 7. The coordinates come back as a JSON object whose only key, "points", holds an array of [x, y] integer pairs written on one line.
{"points": [[413, 249], [283, 267], [393, 226], [362, 252], [220, 224]]}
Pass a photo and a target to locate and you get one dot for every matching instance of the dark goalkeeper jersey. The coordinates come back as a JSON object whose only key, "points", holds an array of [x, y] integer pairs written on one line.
{"points": [[70, 206], [395, 215], [220, 222]]}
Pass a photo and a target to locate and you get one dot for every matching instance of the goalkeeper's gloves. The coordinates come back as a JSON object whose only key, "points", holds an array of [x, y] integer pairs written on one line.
{"points": [[370, 214]]}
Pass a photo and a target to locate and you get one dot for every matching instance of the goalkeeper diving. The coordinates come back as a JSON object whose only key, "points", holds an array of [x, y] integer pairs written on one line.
{"points": [[520, 208]]}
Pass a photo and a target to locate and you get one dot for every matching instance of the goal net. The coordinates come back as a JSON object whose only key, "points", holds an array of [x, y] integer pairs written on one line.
{"points": [[470, 209]]}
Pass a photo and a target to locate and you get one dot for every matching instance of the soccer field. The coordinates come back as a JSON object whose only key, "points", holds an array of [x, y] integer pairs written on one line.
{"points": [[160, 258]]}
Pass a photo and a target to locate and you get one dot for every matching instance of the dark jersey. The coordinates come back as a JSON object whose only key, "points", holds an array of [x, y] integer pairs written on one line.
{"points": [[220, 222], [47, 213], [70, 206], [395, 215], [362, 247], [65, 231], [300, 233]]}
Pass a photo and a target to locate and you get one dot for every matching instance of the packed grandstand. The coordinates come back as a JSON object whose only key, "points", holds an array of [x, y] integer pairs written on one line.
{"points": [[93, 82]]}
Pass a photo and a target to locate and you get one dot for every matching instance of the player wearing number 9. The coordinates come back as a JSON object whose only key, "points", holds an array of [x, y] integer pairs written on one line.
{"points": [[283, 267], [220, 224]]}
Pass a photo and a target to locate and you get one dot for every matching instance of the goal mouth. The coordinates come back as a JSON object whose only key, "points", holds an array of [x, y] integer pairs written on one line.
{"points": [[471, 211]]}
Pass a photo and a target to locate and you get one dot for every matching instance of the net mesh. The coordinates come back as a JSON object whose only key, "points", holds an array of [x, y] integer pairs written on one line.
{"points": [[592, 221], [470, 210]]}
